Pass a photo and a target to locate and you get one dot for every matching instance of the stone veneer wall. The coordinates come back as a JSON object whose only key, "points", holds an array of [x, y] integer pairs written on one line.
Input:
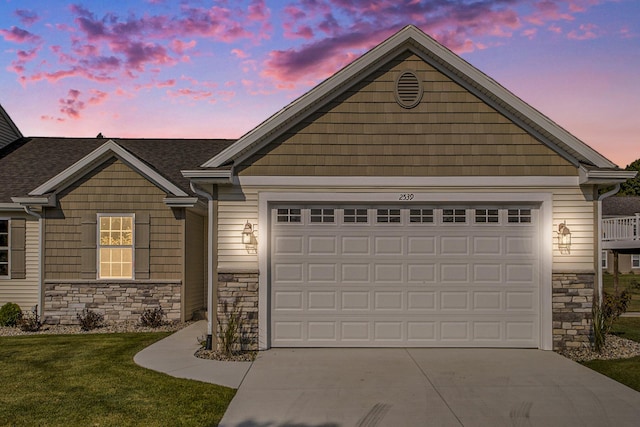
{"points": [[240, 291], [118, 302], [572, 303]]}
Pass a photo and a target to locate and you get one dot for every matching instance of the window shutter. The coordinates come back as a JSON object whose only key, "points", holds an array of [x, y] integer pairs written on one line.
{"points": [[141, 259], [17, 247], [88, 247]]}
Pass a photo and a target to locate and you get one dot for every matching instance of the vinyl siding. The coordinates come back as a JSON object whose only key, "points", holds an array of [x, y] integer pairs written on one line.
{"points": [[569, 204], [112, 187], [24, 292], [195, 264], [364, 132]]}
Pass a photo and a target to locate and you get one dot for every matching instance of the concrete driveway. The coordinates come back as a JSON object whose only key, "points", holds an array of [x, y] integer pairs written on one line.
{"points": [[427, 387]]}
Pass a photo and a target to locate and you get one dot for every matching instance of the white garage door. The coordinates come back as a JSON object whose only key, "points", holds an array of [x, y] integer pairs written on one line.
{"points": [[456, 276]]}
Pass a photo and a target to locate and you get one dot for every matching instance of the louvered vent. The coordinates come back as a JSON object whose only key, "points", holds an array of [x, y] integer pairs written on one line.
{"points": [[408, 89]]}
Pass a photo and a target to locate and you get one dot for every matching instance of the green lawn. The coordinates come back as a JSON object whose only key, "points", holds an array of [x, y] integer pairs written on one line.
{"points": [[63, 380], [627, 281], [625, 371]]}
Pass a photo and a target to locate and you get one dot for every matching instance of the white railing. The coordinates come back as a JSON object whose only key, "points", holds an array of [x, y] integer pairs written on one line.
{"points": [[625, 228]]}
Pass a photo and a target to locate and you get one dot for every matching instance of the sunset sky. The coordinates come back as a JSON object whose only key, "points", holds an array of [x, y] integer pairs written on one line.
{"points": [[216, 69]]}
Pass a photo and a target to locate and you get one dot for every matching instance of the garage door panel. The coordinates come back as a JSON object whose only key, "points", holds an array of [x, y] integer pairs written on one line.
{"points": [[404, 284], [421, 273], [322, 245]]}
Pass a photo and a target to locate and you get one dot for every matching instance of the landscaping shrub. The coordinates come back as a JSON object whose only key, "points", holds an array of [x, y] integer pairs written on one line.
{"points": [[229, 329], [89, 319], [152, 318], [30, 322], [607, 312], [10, 314]]}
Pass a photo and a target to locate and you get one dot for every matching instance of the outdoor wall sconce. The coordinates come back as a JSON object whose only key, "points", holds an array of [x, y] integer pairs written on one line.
{"points": [[249, 238], [564, 238]]}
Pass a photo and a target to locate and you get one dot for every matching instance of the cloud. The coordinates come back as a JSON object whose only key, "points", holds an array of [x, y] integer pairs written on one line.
{"points": [[71, 105], [585, 32], [240, 53], [27, 17], [97, 97], [18, 35]]}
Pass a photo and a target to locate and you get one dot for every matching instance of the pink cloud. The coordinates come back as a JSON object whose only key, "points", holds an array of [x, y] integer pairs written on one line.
{"points": [[585, 32], [178, 46], [18, 35], [240, 53], [97, 97], [548, 10], [195, 95], [27, 17], [71, 105]]}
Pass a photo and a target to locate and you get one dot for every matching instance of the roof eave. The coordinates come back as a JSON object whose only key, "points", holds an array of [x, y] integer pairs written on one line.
{"points": [[209, 176], [604, 176]]}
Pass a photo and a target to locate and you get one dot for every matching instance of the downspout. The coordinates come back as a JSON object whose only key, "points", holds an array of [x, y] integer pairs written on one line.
{"points": [[210, 299], [40, 308], [599, 239]]}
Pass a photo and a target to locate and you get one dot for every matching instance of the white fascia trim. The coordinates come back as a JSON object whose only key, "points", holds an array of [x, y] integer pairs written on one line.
{"points": [[208, 176], [11, 207], [48, 200], [180, 202], [409, 182], [101, 153], [545, 201], [601, 177]]}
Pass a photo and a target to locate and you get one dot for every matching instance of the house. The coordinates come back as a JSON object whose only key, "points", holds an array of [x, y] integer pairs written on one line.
{"points": [[105, 224], [409, 200], [621, 226]]}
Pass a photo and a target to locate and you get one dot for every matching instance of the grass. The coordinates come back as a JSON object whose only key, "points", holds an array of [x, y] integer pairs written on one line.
{"points": [[625, 371], [62, 380], [627, 281]]}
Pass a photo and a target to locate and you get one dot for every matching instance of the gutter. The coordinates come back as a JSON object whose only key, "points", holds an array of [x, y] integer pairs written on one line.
{"points": [[599, 238], [210, 203]]}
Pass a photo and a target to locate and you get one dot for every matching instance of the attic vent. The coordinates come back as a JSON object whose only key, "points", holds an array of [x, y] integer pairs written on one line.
{"points": [[408, 89]]}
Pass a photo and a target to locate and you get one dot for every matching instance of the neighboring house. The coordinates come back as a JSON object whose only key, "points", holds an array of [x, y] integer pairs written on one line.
{"points": [[408, 200], [622, 213], [109, 225]]}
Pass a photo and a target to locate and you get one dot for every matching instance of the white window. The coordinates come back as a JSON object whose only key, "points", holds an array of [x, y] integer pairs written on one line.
{"points": [[519, 216], [487, 216], [289, 215], [604, 259], [356, 215], [115, 246], [388, 216], [454, 215], [421, 216], [635, 261], [4, 247], [323, 215]]}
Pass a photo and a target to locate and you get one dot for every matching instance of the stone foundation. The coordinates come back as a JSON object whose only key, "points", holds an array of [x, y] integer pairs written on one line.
{"points": [[239, 291], [118, 302], [572, 303]]}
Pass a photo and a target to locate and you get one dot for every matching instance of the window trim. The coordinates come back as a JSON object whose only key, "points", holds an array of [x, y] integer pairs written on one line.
{"points": [[355, 215], [635, 258], [454, 216], [487, 215], [7, 248], [289, 215], [605, 259], [132, 246]]}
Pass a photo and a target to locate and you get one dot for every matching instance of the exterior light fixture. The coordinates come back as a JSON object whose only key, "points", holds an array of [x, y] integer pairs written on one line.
{"points": [[247, 234], [564, 238]]}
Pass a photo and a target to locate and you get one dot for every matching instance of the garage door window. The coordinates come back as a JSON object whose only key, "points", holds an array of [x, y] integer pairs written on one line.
{"points": [[421, 216], [356, 216], [519, 216], [454, 215], [487, 216], [323, 216], [289, 215], [390, 216]]}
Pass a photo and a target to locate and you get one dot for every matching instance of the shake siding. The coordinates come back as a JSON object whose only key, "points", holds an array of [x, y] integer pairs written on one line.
{"points": [[113, 187], [24, 292], [195, 264], [364, 132]]}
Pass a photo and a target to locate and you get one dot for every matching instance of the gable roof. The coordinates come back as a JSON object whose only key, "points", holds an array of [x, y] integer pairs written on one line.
{"points": [[9, 132], [621, 206], [34, 166], [412, 39]]}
